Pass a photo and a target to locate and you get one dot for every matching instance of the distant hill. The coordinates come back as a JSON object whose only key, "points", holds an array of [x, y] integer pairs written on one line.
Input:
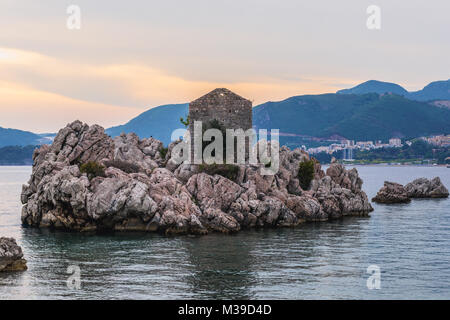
{"points": [[374, 86], [364, 112], [158, 122], [359, 117], [14, 137], [438, 90], [16, 155]]}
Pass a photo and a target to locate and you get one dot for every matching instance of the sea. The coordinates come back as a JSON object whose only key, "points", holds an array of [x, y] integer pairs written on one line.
{"points": [[401, 251]]}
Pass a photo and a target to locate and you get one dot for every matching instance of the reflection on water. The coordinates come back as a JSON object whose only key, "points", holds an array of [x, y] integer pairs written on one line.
{"points": [[220, 268], [409, 242]]}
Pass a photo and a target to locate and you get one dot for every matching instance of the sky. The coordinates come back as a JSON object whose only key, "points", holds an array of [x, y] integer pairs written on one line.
{"points": [[129, 56]]}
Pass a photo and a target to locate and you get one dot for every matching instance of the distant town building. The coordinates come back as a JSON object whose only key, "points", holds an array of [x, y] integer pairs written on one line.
{"points": [[349, 146], [347, 154], [441, 140], [350, 143], [395, 142], [365, 144]]}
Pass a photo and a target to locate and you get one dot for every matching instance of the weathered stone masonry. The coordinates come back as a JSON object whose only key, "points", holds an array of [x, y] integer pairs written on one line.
{"points": [[230, 109]]}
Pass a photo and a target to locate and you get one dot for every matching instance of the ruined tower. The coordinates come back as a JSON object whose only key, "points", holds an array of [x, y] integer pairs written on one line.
{"points": [[229, 109]]}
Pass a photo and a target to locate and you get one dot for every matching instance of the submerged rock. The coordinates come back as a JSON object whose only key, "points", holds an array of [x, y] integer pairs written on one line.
{"points": [[425, 188], [11, 256], [140, 190], [392, 192]]}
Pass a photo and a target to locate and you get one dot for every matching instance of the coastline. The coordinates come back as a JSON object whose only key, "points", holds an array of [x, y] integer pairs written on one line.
{"points": [[395, 165]]}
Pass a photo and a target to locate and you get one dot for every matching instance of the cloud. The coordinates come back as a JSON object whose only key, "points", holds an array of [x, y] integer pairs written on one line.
{"points": [[28, 109], [43, 93], [129, 57]]}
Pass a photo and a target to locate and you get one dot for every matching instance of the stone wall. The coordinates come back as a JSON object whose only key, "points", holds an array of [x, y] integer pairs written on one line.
{"points": [[230, 109]]}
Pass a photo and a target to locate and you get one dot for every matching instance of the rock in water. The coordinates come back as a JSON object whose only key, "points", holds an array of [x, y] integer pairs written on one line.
{"points": [[392, 192], [142, 188], [425, 188], [339, 193], [11, 256]]}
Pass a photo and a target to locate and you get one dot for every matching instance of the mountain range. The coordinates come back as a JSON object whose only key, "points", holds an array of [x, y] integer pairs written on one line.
{"points": [[157, 122], [438, 90], [369, 116], [372, 110], [14, 137]]}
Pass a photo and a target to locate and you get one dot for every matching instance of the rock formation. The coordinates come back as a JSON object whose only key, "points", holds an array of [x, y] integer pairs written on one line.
{"points": [[141, 190], [392, 192], [425, 188], [11, 256]]}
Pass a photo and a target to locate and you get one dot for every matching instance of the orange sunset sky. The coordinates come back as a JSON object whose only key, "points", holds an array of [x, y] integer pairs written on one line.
{"points": [[130, 56]]}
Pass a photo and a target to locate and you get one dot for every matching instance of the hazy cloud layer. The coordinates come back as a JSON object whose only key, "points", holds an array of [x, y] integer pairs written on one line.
{"points": [[129, 56]]}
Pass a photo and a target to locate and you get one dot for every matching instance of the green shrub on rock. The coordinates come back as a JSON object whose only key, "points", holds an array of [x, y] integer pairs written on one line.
{"points": [[229, 171], [163, 152], [92, 169], [306, 174]]}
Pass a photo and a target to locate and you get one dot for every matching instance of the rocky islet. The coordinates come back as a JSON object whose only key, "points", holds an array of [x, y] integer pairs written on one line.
{"points": [[393, 192], [162, 196]]}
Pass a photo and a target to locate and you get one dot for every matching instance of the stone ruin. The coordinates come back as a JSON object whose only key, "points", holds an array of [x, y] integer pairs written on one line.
{"points": [[229, 109]]}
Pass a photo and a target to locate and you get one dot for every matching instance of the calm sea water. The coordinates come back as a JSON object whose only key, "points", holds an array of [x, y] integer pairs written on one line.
{"points": [[410, 243]]}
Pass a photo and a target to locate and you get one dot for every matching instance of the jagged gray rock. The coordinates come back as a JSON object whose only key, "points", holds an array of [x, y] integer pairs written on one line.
{"points": [[145, 152], [11, 256], [339, 193], [167, 197], [425, 188], [392, 192]]}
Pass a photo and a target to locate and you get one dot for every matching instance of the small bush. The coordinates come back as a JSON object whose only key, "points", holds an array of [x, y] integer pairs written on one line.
{"points": [[163, 152], [92, 169], [185, 122], [125, 166], [229, 171], [306, 174]]}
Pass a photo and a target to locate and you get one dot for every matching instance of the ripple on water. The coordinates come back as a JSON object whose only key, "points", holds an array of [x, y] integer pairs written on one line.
{"points": [[409, 242]]}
